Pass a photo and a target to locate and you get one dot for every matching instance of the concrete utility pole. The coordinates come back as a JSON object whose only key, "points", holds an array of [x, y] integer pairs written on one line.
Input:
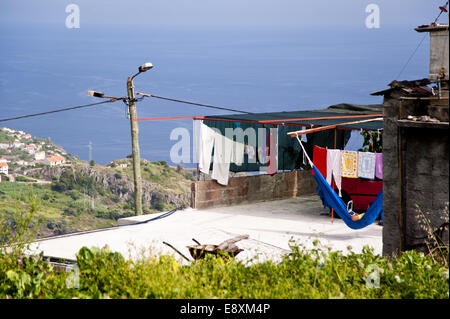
{"points": [[135, 147]]}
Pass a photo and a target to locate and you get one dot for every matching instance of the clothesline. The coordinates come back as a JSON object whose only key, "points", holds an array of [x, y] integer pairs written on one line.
{"points": [[344, 163], [227, 151], [332, 200]]}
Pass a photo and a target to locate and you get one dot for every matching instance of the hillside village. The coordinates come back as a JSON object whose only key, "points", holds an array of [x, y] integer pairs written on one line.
{"points": [[72, 195], [20, 152]]}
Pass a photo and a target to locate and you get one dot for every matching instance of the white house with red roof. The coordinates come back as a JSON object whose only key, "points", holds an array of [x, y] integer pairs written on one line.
{"points": [[4, 166], [54, 160]]}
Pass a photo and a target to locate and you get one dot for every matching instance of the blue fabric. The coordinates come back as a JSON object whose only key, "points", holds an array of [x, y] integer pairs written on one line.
{"points": [[332, 200]]}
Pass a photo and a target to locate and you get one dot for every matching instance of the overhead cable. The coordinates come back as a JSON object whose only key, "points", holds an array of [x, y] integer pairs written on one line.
{"points": [[57, 110]]}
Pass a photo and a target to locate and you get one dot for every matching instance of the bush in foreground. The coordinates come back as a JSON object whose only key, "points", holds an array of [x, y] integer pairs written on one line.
{"points": [[302, 274]]}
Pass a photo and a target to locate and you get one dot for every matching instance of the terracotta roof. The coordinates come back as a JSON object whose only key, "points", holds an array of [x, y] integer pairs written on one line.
{"points": [[55, 158], [3, 164]]}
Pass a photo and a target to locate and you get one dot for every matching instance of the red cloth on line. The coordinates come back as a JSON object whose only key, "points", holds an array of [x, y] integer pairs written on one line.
{"points": [[320, 159]]}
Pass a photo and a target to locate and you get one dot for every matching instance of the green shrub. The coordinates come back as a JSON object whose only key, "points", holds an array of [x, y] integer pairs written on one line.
{"points": [[111, 214], [303, 273], [24, 179], [157, 201]]}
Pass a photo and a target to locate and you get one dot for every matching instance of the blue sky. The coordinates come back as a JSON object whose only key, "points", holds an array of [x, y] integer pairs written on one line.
{"points": [[221, 13]]}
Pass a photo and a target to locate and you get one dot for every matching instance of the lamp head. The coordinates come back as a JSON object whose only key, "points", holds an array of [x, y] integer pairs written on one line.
{"points": [[95, 94], [145, 67]]}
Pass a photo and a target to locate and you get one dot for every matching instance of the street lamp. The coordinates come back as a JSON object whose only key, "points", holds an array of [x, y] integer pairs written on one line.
{"points": [[131, 103], [135, 138], [145, 67]]}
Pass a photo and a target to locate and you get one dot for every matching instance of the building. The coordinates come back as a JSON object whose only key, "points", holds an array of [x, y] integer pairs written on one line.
{"points": [[4, 168], [39, 156], [18, 144], [30, 149], [416, 152], [20, 162], [6, 129], [54, 160]]}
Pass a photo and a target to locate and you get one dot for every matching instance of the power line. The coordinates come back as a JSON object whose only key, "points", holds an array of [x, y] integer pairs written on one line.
{"points": [[58, 110], [193, 103], [407, 62], [443, 9]]}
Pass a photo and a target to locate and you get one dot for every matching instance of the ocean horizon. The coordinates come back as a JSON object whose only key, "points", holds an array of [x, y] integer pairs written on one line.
{"points": [[46, 67]]}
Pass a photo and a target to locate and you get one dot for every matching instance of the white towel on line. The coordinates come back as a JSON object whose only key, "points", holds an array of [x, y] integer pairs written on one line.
{"points": [[366, 165], [222, 158], [334, 164], [237, 154], [207, 137]]}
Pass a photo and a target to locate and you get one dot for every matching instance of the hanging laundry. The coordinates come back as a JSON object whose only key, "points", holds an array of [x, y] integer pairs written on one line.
{"points": [[366, 165], [237, 155], [207, 137], [262, 146], [320, 159], [251, 153], [349, 164], [334, 165], [272, 165], [379, 165], [222, 158]]}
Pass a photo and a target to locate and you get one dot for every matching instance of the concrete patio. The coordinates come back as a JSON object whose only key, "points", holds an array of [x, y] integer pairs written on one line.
{"points": [[270, 225]]}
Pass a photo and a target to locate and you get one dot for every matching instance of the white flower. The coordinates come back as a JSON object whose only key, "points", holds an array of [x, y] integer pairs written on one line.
{"points": [[428, 267], [397, 279], [445, 274]]}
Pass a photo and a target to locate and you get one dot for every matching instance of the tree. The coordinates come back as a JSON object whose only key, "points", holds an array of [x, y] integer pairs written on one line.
{"points": [[92, 163], [373, 142]]}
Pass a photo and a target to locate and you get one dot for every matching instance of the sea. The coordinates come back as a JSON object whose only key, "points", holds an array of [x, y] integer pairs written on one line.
{"points": [[46, 67]]}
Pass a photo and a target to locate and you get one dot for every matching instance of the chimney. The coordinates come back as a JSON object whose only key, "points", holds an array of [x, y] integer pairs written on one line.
{"points": [[439, 48]]}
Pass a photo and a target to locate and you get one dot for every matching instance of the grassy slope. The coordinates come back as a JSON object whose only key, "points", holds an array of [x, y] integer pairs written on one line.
{"points": [[159, 172], [71, 210]]}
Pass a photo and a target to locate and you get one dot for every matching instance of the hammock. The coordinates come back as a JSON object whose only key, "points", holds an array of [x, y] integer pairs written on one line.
{"points": [[332, 200]]}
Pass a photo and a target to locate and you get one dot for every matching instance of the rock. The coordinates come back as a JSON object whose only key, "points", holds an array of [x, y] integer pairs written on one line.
{"points": [[118, 184]]}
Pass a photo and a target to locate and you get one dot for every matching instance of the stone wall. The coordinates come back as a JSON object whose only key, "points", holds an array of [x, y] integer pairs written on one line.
{"points": [[248, 189], [415, 175]]}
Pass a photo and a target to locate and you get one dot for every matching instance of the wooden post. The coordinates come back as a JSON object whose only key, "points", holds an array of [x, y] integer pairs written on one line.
{"points": [[335, 137], [135, 148]]}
